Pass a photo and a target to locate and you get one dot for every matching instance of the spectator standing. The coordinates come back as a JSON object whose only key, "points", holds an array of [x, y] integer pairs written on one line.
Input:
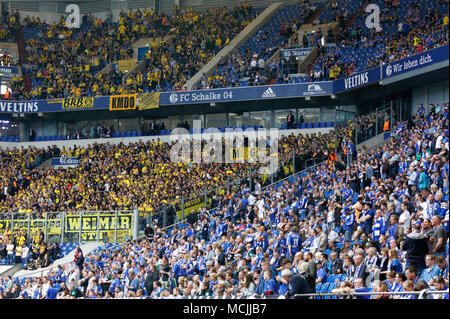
{"points": [[440, 236], [416, 248], [290, 120]]}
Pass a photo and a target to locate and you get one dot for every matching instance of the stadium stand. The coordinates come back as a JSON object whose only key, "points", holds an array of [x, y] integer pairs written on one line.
{"points": [[407, 28], [70, 66], [337, 220], [334, 226], [251, 57]]}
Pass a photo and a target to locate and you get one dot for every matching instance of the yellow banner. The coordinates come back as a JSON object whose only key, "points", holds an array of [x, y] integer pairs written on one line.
{"points": [[53, 225], [126, 65], [77, 103], [194, 205], [148, 101], [107, 236], [122, 102], [89, 223], [244, 153]]}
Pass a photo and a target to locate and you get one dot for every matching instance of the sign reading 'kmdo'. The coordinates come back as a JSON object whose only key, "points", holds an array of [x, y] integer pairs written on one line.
{"points": [[122, 102]]}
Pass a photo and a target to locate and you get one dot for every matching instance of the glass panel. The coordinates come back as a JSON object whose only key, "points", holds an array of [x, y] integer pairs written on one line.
{"points": [[281, 117], [91, 129], [65, 128], [310, 115], [216, 120], [128, 125], [169, 123], [326, 114], [9, 128], [340, 117], [261, 118], [246, 119]]}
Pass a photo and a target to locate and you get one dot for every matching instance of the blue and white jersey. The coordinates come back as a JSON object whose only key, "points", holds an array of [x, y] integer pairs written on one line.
{"points": [[378, 228], [221, 229], [348, 193], [303, 202], [403, 167], [282, 246], [294, 241], [392, 232], [349, 222]]}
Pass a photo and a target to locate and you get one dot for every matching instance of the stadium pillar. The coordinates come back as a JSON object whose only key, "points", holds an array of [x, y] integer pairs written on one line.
{"points": [[62, 226], [79, 231], [115, 227], [12, 223], [335, 131], [45, 228], [135, 223], [293, 159], [182, 207], [98, 228], [28, 227], [165, 216]]}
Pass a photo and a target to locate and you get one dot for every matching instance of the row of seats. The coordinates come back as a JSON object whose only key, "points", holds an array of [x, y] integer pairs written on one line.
{"points": [[168, 132], [10, 138], [310, 125]]}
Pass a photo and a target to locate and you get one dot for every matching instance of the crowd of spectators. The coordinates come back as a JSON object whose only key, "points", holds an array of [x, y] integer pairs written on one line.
{"points": [[108, 177], [406, 30], [66, 61], [32, 253], [9, 24], [137, 175], [195, 38], [253, 66], [379, 224]]}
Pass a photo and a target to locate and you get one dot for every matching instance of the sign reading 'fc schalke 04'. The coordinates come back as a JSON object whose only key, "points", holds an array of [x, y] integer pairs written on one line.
{"points": [[247, 93]]}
